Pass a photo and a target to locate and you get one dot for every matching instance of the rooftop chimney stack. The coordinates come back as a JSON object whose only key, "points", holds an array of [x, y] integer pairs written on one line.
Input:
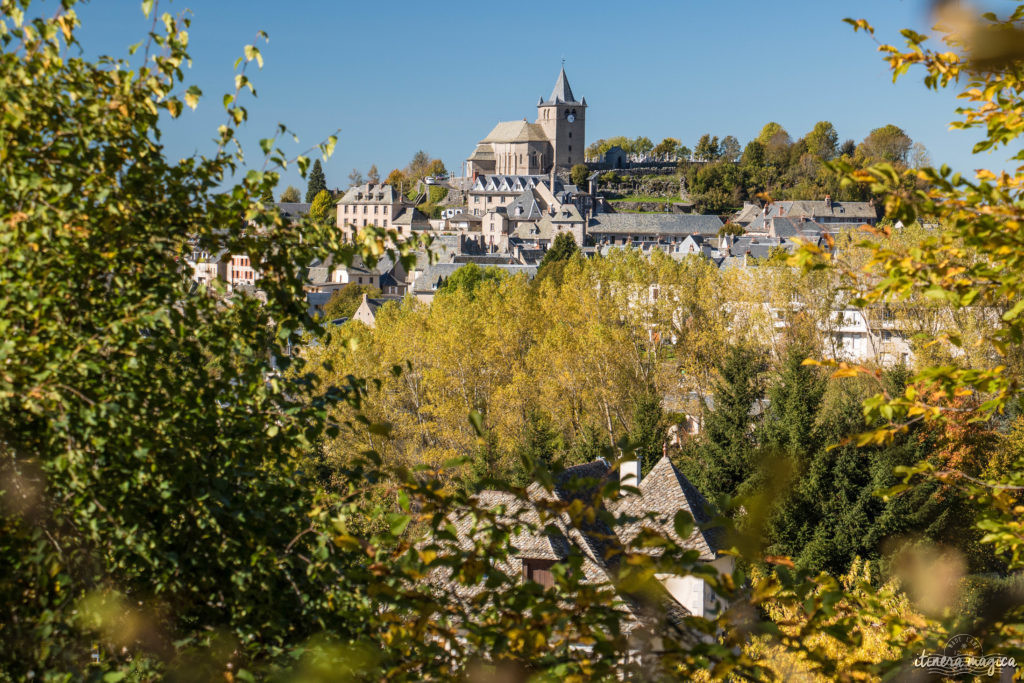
{"points": [[629, 472]]}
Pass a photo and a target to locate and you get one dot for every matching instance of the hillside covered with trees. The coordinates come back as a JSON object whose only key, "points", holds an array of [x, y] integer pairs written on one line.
{"points": [[720, 174]]}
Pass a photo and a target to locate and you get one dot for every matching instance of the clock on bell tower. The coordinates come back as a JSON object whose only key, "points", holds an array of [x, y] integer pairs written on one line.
{"points": [[563, 120]]}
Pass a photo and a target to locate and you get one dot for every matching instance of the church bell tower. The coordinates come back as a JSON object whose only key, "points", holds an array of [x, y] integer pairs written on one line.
{"points": [[564, 122]]}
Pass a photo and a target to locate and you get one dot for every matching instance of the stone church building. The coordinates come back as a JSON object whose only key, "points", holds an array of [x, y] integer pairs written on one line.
{"points": [[555, 141]]}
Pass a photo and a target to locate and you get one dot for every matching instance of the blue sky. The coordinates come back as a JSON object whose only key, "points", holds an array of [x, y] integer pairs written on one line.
{"points": [[396, 77]]}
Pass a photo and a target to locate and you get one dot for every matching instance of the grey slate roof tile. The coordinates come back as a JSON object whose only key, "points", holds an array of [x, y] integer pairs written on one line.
{"points": [[676, 224]]}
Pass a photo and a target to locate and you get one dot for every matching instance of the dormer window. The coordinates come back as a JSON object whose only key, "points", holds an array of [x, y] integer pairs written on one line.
{"points": [[539, 571]]}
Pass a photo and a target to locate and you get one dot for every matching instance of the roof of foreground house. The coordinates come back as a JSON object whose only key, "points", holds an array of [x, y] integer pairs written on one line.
{"points": [[663, 492]]}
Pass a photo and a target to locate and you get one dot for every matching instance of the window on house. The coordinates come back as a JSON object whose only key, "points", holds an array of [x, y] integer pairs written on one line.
{"points": [[539, 571]]}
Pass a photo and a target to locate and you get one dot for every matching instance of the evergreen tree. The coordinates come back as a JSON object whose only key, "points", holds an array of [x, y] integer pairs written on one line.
{"points": [[317, 182], [561, 249], [794, 401], [725, 455], [790, 437], [541, 442], [590, 444], [831, 512], [707, 148], [648, 433]]}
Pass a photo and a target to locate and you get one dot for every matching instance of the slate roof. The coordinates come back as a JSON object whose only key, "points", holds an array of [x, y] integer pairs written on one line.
{"points": [[435, 275], [786, 226], [567, 214], [503, 183], [516, 131], [672, 224], [531, 231], [485, 259], [664, 492], [414, 218], [482, 152], [466, 217], [374, 304], [292, 210], [562, 93], [370, 193], [748, 213], [524, 207], [819, 208]]}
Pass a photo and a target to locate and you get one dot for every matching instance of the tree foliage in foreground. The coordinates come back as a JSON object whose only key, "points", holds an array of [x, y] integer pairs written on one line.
{"points": [[972, 262], [161, 506]]}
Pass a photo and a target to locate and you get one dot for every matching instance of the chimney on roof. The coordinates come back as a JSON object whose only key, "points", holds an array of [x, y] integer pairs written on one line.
{"points": [[629, 472], [828, 201]]}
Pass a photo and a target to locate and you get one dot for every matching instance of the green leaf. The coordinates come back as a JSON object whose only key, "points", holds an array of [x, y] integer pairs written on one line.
{"points": [[147, 7], [683, 524], [251, 53], [1014, 312], [397, 523], [477, 421], [192, 96]]}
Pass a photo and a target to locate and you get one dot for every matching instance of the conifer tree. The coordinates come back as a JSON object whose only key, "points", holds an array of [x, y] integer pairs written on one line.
{"points": [[789, 438], [561, 249], [317, 182], [725, 456], [648, 433]]}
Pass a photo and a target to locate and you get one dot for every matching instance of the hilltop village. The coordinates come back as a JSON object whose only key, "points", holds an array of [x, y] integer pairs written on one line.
{"points": [[526, 183]]}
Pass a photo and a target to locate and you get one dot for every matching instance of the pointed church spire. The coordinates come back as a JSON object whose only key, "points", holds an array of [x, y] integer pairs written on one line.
{"points": [[562, 91]]}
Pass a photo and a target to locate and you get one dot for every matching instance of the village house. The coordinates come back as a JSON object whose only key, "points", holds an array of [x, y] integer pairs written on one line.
{"points": [[325, 276], [662, 493], [367, 311], [207, 267], [379, 205], [624, 228], [433, 277], [791, 214]]}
